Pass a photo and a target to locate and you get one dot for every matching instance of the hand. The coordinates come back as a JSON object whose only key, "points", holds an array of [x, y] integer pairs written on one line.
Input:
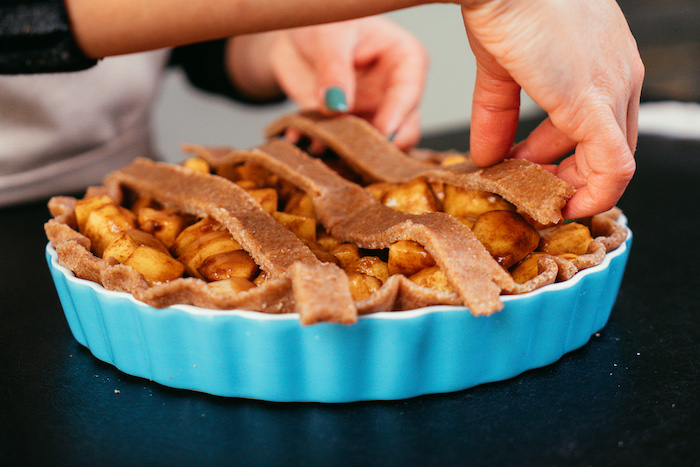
{"points": [[369, 67], [579, 62]]}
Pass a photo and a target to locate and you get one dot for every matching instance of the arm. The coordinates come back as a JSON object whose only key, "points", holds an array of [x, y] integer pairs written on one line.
{"points": [[384, 63], [113, 27]]}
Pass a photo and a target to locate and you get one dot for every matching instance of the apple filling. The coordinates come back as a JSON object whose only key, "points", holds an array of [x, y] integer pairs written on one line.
{"points": [[163, 244]]}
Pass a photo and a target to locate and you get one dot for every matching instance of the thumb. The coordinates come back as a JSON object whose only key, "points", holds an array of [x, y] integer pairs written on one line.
{"points": [[495, 108], [495, 111]]}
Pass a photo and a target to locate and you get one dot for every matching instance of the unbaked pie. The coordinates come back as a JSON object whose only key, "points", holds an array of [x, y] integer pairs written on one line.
{"points": [[361, 228]]}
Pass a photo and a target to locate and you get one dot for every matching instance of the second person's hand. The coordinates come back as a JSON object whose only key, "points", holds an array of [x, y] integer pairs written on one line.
{"points": [[369, 67]]}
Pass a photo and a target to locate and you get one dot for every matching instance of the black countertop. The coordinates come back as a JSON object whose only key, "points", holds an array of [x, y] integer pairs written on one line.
{"points": [[628, 397]]}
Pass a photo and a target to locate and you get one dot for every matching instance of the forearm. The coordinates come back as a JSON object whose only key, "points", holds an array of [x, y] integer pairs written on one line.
{"points": [[114, 27]]}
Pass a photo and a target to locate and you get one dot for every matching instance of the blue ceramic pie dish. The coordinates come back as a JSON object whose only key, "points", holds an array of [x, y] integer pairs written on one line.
{"points": [[384, 356]]}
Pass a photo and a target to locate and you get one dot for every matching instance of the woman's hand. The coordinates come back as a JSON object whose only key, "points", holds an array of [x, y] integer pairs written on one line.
{"points": [[369, 67], [578, 61]]}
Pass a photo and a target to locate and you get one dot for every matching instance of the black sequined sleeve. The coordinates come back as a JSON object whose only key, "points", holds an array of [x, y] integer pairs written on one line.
{"points": [[36, 37]]}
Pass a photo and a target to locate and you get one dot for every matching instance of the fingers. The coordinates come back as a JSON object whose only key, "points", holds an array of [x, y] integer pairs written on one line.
{"points": [[600, 170], [544, 145], [400, 102], [315, 67], [401, 97], [371, 68], [408, 134], [600, 194], [335, 87], [633, 117], [494, 121], [495, 109], [333, 63]]}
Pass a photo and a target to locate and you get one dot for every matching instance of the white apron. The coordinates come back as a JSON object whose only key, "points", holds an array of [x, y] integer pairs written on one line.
{"points": [[61, 132]]}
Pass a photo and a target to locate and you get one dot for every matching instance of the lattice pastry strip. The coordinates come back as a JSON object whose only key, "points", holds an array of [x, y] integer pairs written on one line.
{"points": [[351, 214], [368, 152], [273, 247], [534, 191]]}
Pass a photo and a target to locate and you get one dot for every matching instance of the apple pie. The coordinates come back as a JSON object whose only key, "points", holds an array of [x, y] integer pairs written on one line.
{"points": [[363, 227]]}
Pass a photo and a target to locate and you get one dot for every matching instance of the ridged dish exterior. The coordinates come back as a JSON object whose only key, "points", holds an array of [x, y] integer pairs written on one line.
{"points": [[392, 355]]}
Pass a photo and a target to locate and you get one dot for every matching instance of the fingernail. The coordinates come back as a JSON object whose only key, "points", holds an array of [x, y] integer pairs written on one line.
{"points": [[335, 100], [391, 136]]}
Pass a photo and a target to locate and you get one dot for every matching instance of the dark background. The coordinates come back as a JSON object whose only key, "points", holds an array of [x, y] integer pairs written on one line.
{"points": [[668, 37]]}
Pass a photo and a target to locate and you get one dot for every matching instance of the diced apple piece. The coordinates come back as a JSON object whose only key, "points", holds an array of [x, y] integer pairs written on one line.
{"points": [[104, 224], [142, 202], [192, 232], [347, 255], [285, 190], [327, 241], [197, 164], [262, 278], [506, 235], [565, 238], [528, 269], [212, 243], [236, 263], [372, 266], [155, 266], [233, 285], [127, 241], [302, 227], [466, 203], [300, 204], [83, 208], [432, 278], [362, 285], [162, 224], [266, 197], [253, 172], [408, 257], [454, 159], [379, 189], [414, 197], [248, 185]]}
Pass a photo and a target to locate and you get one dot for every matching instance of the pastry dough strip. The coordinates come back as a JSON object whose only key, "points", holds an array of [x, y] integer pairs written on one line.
{"points": [[537, 192]]}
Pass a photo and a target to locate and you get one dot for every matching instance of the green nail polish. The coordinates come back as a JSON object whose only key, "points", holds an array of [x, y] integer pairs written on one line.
{"points": [[335, 100], [391, 137]]}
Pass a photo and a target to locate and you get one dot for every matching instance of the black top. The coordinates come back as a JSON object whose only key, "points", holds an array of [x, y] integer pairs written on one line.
{"points": [[36, 37], [628, 397]]}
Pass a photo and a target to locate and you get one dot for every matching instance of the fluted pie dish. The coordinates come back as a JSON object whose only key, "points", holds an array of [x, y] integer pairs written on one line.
{"points": [[384, 356], [361, 273]]}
